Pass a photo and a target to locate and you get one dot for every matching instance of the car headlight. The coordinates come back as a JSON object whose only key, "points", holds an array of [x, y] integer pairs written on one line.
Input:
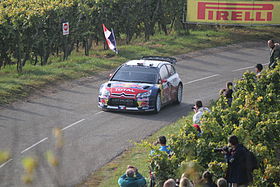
{"points": [[104, 92], [145, 94]]}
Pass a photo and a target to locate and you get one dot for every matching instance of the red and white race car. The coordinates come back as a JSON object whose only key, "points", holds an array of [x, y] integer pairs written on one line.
{"points": [[142, 85]]}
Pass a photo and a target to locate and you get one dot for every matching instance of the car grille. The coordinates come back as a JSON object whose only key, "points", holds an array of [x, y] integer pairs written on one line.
{"points": [[123, 95], [125, 102]]}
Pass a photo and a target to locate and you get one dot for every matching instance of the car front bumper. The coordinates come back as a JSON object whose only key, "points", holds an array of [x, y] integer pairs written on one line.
{"points": [[126, 108], [139, 105]]}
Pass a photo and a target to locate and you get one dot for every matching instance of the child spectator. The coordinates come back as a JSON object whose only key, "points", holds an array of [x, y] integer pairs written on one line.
{"points": [[259, 68]]}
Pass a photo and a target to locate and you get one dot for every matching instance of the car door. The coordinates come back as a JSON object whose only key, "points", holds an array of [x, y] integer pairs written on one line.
{"points": [[165, 84], [173, 79]]}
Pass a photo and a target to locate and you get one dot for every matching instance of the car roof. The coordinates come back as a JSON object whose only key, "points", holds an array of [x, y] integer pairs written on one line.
{"points": [[147, 63]]}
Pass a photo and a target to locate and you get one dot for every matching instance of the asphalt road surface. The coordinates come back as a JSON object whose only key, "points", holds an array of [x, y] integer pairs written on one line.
{"points": [[93, 137]]}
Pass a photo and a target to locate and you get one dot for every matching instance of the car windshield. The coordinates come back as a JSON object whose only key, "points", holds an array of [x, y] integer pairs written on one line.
{"points": [[139, 74]]}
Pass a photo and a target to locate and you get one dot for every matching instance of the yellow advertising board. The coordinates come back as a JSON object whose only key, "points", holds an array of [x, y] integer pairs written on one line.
{"points": [[233, 12]]}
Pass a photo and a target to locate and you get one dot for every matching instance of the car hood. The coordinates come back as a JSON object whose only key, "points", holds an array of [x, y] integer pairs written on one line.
{"points": [[127, 88]]}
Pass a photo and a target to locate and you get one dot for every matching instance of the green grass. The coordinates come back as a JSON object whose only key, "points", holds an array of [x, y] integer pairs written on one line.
{"points": [[14, 86], [137, 156]]}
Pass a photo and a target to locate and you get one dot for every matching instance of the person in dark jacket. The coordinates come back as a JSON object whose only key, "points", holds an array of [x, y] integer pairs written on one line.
{"points": [[274, 53], [227, 92], [237, 173]]}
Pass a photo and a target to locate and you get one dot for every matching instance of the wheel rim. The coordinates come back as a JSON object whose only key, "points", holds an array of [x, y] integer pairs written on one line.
{"points": [[180, 94], [158, 105]]}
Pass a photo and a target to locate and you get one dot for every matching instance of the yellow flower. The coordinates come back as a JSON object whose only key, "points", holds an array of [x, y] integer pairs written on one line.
{"points": [[259, 98], [4, 156], [29, 164]]}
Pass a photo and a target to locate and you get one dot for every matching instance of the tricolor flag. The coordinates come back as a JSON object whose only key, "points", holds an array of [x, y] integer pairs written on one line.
{"points": [[110, 39]]}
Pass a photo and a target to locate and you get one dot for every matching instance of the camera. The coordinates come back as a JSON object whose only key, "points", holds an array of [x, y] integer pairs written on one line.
{"points": [[220, 149], [193, 107], [156, 142]]}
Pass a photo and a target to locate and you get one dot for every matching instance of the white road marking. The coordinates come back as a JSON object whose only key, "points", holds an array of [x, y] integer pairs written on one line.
{"points": [[2, 165], [44, 139], [34, 145], [201, 79], [99, 112], [240, 69], [249, 67], [71, 125]]}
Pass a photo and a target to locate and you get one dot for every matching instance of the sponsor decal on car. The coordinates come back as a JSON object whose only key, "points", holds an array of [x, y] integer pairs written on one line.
{"points": [[124, 89]]}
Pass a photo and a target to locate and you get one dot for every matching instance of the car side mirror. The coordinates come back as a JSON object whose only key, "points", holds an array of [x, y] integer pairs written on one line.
{"points": [[110, 75]]}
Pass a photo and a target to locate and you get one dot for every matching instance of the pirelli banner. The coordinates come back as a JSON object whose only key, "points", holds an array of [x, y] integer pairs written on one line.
{"points": [[233, 12]]}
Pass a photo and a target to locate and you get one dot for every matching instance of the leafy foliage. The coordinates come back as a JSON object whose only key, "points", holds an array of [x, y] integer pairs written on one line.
{"points": [[31, 30], [253, 118]]}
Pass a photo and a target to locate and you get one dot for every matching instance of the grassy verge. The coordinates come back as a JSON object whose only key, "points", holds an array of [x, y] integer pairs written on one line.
{"points": [[14, 86], [136, 156]]}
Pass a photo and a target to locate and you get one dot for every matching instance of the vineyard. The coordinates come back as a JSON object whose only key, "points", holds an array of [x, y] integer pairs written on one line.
{"points": [[253, 118], [31, 30]]}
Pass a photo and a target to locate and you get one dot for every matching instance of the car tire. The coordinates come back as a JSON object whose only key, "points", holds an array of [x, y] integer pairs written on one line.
{"points": [[157, 103], [179, 95]]}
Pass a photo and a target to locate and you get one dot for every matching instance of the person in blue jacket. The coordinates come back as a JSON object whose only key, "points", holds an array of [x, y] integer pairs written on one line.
{"points": [[132, 178], [163, 147]]}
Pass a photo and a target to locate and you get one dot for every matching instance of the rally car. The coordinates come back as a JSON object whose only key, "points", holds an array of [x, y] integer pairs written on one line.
{"points": [[147, 84]]}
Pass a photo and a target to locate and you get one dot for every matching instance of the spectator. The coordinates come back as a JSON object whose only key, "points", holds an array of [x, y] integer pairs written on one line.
{"points": [[259, 68], [237, 173], [228, 92], [199, 111], [274, 53], [185, 182], [132, 178], [207, 180], [221, 182], [169, 183], [163, 147]]}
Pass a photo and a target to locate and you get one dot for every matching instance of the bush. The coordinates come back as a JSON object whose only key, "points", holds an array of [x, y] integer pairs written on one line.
{"points": [[253, 118]]}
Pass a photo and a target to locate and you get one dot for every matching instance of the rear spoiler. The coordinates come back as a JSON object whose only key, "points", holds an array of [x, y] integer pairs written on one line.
{"points": [[160, 58]]}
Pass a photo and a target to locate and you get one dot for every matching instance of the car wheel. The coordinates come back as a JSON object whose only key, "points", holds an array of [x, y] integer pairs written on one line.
{"points": [[157, 103], [179, 94]]}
